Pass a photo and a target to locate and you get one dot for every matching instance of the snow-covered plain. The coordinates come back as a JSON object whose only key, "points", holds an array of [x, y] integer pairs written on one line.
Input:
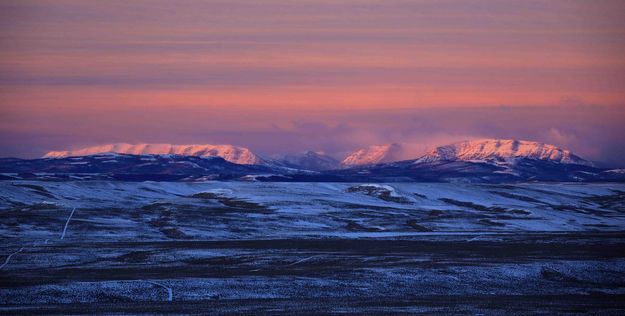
{"points": [[327, 207], [362, 247]]}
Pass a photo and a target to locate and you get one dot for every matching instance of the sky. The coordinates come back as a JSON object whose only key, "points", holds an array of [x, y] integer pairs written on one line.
{"points": [[331, 76]]}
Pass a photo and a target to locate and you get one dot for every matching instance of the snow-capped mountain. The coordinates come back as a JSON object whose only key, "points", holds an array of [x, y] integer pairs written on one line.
{"points": [[234, 154], [503, 150], [373, 155], [308, 160], [486, 161]]}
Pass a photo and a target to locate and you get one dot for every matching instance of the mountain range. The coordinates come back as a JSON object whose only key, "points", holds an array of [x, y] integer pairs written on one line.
{"points": [[502, 150], [234, 154], [484, 160]]}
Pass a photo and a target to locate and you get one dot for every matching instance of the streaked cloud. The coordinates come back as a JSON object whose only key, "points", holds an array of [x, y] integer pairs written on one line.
{"points": [[341, 74]]}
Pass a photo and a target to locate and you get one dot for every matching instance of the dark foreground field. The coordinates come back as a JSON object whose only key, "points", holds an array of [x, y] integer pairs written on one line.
{"points": [[317, 249]]}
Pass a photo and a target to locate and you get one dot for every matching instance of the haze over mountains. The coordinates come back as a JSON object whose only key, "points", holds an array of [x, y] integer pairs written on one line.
{"points": [[373, 155]]}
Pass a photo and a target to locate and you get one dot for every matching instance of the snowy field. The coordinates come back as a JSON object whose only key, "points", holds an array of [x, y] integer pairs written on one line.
{"points": [[106, 246]]}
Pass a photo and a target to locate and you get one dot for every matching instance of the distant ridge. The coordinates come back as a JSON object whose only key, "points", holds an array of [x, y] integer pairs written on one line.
{"points": [[478, 161], [309, 160], [502, 150], [485, 150], [234, 154]]}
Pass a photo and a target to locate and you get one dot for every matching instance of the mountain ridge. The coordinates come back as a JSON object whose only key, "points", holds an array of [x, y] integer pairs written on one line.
{"points": [[309, 160], [231, 153], [494, 150], [502, 150], [481, 160]]}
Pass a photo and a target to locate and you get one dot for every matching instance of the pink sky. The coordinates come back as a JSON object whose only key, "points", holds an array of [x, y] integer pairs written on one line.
{"points": [[338, 74]]}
